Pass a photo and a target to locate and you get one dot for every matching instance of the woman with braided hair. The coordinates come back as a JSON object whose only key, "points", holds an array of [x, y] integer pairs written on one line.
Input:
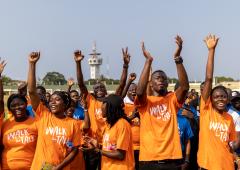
{"points": [[59, 135]]}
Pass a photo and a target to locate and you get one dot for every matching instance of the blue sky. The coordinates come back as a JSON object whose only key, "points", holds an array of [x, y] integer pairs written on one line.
{"points": [[58, 27]]}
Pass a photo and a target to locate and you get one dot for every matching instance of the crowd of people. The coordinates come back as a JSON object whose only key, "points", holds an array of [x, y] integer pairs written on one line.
{"points": [[141, 126]]}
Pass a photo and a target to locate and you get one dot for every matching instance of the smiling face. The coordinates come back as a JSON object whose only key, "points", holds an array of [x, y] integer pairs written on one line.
{"points": [[74, 96], [57, 105], [18, 109], [219, 99], [132, 91], [159, 82], [99, 90]]}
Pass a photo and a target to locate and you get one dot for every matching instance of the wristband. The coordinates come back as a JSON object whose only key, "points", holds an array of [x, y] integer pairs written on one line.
{"points": [[187, 161], [178, 60], [85, 110], [125, 65]]}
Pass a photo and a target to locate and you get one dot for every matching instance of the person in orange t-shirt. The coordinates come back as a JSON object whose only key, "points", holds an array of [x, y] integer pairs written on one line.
{"points": [[217, 133], [78, 162], [129, 94], [94, 102], [160, 146], [117, 149], [58, 136], [19, 135]]}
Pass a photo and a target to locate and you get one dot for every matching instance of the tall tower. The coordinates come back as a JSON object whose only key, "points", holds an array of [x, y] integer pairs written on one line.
{"points": [[94, 61]]}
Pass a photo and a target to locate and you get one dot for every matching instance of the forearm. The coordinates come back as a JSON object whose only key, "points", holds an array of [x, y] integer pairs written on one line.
{"points": [[68, 159], [123, 80], [209, 74], [182, 77], [113, 154], [143, 80], [124, 93], [69, 89], [35, 100], [188, 148], [80, 80], [1, 96], [86, 123]]}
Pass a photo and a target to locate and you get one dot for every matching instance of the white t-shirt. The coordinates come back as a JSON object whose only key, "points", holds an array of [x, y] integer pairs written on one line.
{"points": [[236, 119]]}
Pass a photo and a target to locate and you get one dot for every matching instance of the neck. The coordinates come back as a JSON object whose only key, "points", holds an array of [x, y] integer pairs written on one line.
{"points": [[21, 119], [60, 115], [160, 93]]}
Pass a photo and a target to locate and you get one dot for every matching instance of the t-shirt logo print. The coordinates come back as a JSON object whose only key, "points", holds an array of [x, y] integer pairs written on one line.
{"points": [[21, 136], [107, 144], [98, 113], [160, 112], [220, 130], [59, 134]]}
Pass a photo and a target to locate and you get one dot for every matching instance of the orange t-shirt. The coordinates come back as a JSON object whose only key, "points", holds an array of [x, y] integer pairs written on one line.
{"points": [[98, 123], [159, 138], [54, 135], [135, 126], [118, 137], [216, 131], [19, 140], [78, 163]]}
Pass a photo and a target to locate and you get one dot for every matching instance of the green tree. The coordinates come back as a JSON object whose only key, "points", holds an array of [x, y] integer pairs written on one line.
{"points": [[54, 78], [223, 79], [6, 79]]}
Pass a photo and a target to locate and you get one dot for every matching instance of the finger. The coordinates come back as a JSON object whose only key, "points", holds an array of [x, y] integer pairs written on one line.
{"points": [[123, 51], [143, 46], [126, 50]]}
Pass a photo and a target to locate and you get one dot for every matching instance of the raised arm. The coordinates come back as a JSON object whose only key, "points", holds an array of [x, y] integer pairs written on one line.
{"points": [[78, 56], [70, 83], [131, 78], [183, 88], [32, 90], [2, 65], [143, 80], [211, 42], [126, 60]]}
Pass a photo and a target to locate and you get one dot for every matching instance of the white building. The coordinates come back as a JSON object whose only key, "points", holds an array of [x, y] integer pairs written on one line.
{"points": [[95, 62]]}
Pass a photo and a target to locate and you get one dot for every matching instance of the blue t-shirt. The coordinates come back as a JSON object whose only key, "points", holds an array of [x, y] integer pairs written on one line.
{"points": [[30, 111], [184, 130], [78, 113]]}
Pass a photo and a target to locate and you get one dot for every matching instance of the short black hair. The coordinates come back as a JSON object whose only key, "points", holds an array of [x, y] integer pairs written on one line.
{"points": [[74, 91], [42, 88], [14, 96], [221, 87], [158, 71]]}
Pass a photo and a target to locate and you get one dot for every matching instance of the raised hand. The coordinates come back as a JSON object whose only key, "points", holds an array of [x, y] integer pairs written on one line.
{"points": [[2, 65], [211, 41], [146, 54], [78, 55], [34, 57], [132, 76], [179, 43], [70, 82], [126, 56]]}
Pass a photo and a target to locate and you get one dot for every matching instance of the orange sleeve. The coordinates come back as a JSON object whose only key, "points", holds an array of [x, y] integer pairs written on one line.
{"points": [[140, 103], [232, 134], [124, 137], [42, 110], [175, 101], [205, 105], [77, 135]]}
